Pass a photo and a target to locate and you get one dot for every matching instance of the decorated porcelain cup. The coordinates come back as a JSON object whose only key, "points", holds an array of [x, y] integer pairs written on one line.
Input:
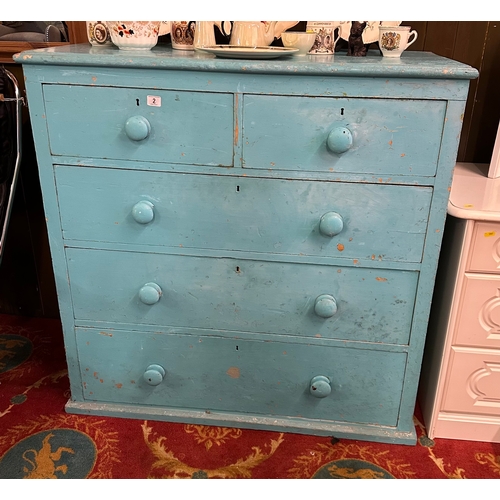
{"points": [[134, 35], [182, 34], [298, 39], [98, 33], [393, 40]]}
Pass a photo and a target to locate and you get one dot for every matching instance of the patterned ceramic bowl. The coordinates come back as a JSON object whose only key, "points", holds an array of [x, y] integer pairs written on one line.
{"points": [[134, 35]]}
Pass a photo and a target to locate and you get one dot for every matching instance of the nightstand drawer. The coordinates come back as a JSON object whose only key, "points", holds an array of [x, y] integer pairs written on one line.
{"points": [[124, 123], [370, 305], [485, 254], [290, 217], [473, 382], [234, 375], [478, 321], [372, 136]]}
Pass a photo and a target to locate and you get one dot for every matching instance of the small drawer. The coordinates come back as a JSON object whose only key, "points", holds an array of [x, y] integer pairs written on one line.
{"points": [[241, 376], [125, 124], [485, 254], [240, 213], [327, 134], [368, 305], [473, 382], [478, 321]]}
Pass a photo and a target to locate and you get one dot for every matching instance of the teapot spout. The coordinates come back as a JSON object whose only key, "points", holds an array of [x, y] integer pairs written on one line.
{"points": [[280, 26]]}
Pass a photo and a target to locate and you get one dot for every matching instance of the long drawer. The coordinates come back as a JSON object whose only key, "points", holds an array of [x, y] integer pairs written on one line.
{"points": [[241, 376], [125, 123], [242, 295], [377, 136], [240, 213]]}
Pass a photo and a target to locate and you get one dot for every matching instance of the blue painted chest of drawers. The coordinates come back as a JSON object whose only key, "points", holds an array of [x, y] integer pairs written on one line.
{"points": [[246, 243]]}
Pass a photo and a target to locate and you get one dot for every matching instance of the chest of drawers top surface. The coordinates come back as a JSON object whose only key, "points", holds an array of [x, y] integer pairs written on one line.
{"points": [[411, 65], [270, 228]]}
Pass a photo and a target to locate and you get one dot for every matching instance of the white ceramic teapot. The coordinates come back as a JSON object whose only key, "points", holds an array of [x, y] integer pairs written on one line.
{"points": [[258, 33]]}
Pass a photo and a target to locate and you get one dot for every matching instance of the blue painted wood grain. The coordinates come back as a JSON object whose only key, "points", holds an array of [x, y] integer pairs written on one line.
{"points": [[238, 213], [242, 295], [241, 376], [388, 134], [179, 131]]}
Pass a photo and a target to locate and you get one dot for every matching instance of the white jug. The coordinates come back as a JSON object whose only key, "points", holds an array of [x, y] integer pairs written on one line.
{"points": [[204, 34]]}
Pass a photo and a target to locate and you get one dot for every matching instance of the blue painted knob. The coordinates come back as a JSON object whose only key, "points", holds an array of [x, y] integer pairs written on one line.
{"points": [[320, 386], [339, 140], [142, 212], [325, 306], [137, 128], [154, 374], [331, 224], [150, 294]]}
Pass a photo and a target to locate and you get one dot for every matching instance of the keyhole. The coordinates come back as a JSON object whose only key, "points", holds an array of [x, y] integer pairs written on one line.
{"points": [[236, 347], [237, 269], [137, 102], [342, 111], [237, 188]]}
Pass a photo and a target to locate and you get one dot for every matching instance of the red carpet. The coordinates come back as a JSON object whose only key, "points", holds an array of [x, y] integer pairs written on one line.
{"points": [[39, 440]]}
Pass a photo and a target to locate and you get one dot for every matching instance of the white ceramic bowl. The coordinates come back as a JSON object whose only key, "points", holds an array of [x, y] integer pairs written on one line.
{"points": [[134, 35], [299, 40]]}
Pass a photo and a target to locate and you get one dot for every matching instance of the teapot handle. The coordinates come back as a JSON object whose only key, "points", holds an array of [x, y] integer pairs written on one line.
{"points": [[224, 27]]}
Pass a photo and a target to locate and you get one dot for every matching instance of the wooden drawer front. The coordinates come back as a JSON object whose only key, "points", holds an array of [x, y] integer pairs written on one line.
{"points": [[473, 382], [485, 255], [238, 213], [479, 314], [91, 122], [242, 376], [388, 136], [242, 295]]}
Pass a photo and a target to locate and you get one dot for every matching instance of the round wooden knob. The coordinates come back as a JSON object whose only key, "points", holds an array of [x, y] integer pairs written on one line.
{"points": [[320, 386], [339, 140], [137, 128], [331, 224], [325, 306], [143, 212], [150, 294], [154, 374]]}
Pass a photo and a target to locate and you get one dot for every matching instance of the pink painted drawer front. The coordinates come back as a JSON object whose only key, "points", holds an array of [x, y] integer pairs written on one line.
{"points": [[479, 312], [485, 255], [473, 382]]}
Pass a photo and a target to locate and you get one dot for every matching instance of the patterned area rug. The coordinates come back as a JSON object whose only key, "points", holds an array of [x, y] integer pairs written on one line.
{"points": [[39, 440]]}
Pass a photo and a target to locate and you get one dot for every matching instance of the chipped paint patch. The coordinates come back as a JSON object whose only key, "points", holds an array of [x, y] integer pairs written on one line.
{"points": [[468, 206], [233, 372], [119, 386], [106, 334], [355, 261], [318, 335], [489, 234], [340, 247], [378, 278], [94, 78]]}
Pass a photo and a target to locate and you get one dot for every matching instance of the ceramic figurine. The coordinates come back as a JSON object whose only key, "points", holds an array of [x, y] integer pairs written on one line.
{"points": [[355, 46]]}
